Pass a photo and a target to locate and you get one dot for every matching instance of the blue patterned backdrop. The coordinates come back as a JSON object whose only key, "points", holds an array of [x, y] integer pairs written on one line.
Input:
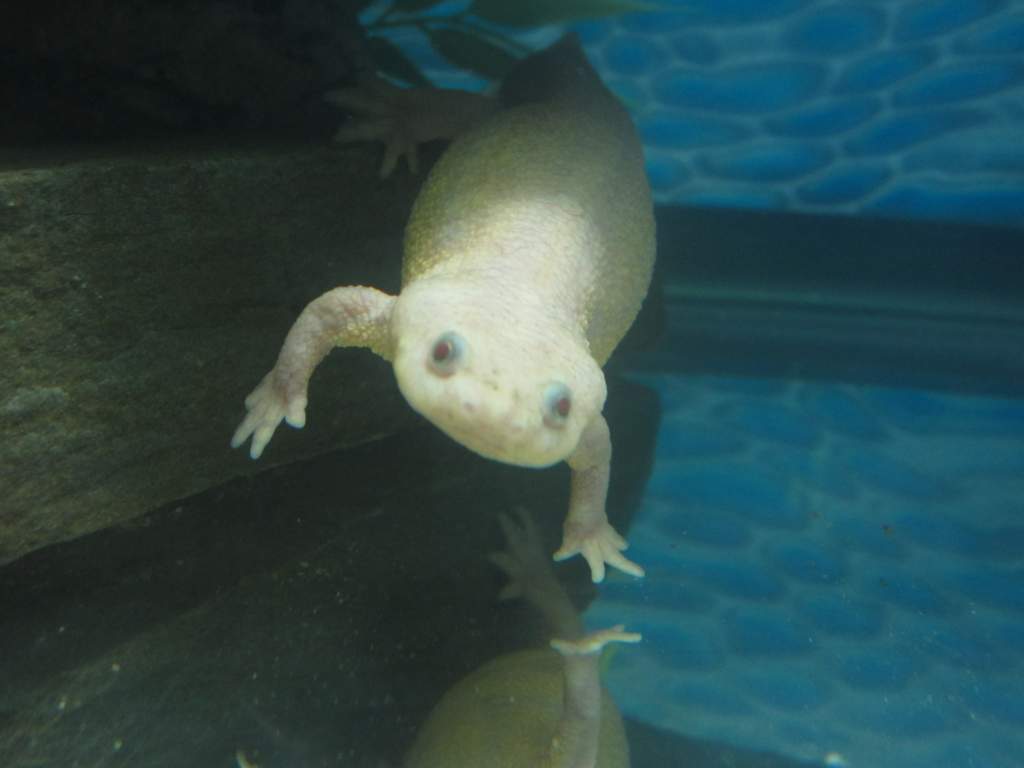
{"points": [[835, 571], [893, 107]]}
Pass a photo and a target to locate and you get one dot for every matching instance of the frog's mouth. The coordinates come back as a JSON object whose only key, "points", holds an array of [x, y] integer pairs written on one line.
{"points": [[495, 449]]}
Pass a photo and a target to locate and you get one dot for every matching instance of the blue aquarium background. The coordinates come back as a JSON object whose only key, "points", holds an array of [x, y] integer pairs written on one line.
{"points": [[835, 570], [891, 107], [834, 573]]}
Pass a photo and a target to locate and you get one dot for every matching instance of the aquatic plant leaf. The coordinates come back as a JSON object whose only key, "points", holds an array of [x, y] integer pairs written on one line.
{"points": [[355, 7], [412, 6], [607, 654], [536, 13], [469, 51], [391, 61]]}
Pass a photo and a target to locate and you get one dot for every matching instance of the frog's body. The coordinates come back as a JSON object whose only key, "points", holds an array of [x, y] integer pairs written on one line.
{"points": [[533, 238], [527, 256], [503, 715]]}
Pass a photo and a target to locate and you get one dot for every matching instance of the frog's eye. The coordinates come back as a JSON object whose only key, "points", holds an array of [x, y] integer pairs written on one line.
{"points": [[557, 404], [446, 353]]}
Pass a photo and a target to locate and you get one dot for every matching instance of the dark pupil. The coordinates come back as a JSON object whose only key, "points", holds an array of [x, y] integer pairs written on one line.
{"points": [[442, 351], [562, 406]]}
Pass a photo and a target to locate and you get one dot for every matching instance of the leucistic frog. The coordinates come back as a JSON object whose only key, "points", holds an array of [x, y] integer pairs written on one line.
{"points": [[527, 256]]}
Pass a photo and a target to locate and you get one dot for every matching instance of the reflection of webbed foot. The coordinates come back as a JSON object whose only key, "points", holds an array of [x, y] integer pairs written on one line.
{"points": [[598, 544], [595, 641], [524, 560]]}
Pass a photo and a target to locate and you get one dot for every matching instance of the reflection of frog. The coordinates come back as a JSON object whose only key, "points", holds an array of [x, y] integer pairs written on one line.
{"points": [[539, 708]]}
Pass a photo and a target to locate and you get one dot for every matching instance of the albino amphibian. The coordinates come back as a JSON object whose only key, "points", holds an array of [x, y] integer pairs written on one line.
{"points": [[536, 708], [527, 256]]}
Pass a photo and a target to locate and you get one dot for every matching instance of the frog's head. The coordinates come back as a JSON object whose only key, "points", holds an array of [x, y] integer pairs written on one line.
{"points": [[493, 377]]}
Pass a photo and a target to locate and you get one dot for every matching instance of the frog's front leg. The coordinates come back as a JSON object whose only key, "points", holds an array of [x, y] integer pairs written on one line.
{"points": [[587, 531], [351, 316]]}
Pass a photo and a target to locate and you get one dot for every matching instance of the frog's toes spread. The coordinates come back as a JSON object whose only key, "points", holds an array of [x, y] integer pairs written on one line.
{"points": [[404, 118], [380, 112], [599, 544], [266, 406]]}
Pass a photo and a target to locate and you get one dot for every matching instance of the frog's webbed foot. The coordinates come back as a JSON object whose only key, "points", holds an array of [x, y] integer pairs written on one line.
{"points": [[599, 544], [380, 112], [404, 118], [279, 396]]}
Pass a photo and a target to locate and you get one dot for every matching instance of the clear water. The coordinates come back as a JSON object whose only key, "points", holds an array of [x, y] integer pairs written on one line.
{"points": [[835, 572]]}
